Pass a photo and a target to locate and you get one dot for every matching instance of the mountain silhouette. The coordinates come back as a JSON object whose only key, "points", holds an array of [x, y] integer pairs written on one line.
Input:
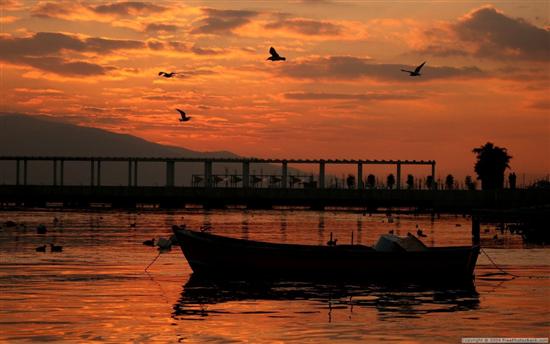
{"points": [[24, 135]]}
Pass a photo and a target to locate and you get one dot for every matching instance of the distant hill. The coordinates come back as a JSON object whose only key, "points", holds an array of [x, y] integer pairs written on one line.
{"points": [[33, 136]]}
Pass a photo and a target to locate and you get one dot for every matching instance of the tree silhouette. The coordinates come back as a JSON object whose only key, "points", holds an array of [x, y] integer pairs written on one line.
{"points": [[371, 181], [470, 185], [390, 181], [449, 182], [410, 182], [491, 163]]}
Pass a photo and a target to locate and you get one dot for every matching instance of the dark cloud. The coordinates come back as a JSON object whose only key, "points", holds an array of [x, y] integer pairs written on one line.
{"points": [[63, 67], [128, 8], [45, 43], [344, 96], [487, 33], [53, 10], [498, 36], [43, 50], [66, 9], [155, 28], [349, 68], [542, 104], [160, 98], [207, 51], [155, 45], [177, 45], [222, 21], [306, 26]]}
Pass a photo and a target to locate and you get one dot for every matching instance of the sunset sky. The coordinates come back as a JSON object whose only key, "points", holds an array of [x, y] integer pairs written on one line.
{"points": [[340, 94]]}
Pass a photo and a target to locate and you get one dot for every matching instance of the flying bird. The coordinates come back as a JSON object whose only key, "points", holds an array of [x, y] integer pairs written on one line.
{"points": [[167, 75], [416, 71], [184, 117], [275, 56]]}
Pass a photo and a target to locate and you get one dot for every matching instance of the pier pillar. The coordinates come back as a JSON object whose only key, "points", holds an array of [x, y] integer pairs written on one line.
{"points": [[98, 173], [475, 231], [25, 172], [92, 172], [61, 172], [246, 174], [399, 176], [360, 176], [135, 172], [54, 172], [284, 177], [129, 172], [17, 172], [170, 168], [322, 174], [433, 176], [208, 173]]}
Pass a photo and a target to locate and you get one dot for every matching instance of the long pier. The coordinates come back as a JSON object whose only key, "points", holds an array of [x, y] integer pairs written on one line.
{"points": [[96, 163], [244, 190]]}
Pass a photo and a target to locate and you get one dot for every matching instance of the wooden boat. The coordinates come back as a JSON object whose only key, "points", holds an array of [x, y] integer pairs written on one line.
{"points": [[219, 256]]}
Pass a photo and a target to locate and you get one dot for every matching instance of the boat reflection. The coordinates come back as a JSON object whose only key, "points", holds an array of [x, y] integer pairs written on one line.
{"points": [[200, 295]]}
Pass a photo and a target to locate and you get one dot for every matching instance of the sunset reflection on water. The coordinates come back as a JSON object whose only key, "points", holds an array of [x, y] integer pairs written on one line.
{"points": [[97, 290]]}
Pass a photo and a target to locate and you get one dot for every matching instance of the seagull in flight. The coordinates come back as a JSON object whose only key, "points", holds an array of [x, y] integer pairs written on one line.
{"points": [[184, 117], [416, 71], [168, 75], [275, 56]]}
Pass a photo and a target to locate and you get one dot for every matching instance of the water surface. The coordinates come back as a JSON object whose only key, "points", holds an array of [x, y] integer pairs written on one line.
{"points": [[97, 289]]}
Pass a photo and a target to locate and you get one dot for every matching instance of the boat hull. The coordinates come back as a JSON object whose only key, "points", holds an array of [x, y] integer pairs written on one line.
{"points": [[219, 256]]}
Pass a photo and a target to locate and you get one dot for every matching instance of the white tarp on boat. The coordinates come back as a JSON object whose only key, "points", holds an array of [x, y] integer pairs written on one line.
{"points": [[394, 243]]}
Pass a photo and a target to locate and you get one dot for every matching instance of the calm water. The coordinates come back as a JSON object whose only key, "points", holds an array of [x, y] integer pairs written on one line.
{"points": [[97, 290]]}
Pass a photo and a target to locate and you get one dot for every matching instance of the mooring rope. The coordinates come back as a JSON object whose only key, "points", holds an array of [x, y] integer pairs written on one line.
{"points": [[154, 260], [496, 266]]}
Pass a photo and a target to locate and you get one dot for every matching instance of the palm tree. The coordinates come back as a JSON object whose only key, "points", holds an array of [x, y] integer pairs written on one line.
{"points": [[491, 163], [410, 182], [390, 181], [449, 182], [371, 181]]}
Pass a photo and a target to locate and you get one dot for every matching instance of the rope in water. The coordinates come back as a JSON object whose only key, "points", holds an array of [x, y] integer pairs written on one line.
{"points": [[496, 266], [154, 260]]}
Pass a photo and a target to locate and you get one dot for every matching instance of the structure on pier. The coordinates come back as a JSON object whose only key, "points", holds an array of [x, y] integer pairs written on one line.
{"points": [[208, 178]]}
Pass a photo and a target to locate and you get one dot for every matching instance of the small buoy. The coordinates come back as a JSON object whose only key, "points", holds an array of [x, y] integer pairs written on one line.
{"points": [[149, 242]]}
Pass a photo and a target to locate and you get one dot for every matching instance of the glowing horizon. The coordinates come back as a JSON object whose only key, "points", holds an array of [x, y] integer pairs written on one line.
{"points": [[340, 94]]}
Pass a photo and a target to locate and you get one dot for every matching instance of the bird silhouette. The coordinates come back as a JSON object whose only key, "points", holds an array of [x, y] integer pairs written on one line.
{"points": [[275, 56], [54, 248], [184, 117], [41, 248], [168, 75], [420, 233], [416, 72]]}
